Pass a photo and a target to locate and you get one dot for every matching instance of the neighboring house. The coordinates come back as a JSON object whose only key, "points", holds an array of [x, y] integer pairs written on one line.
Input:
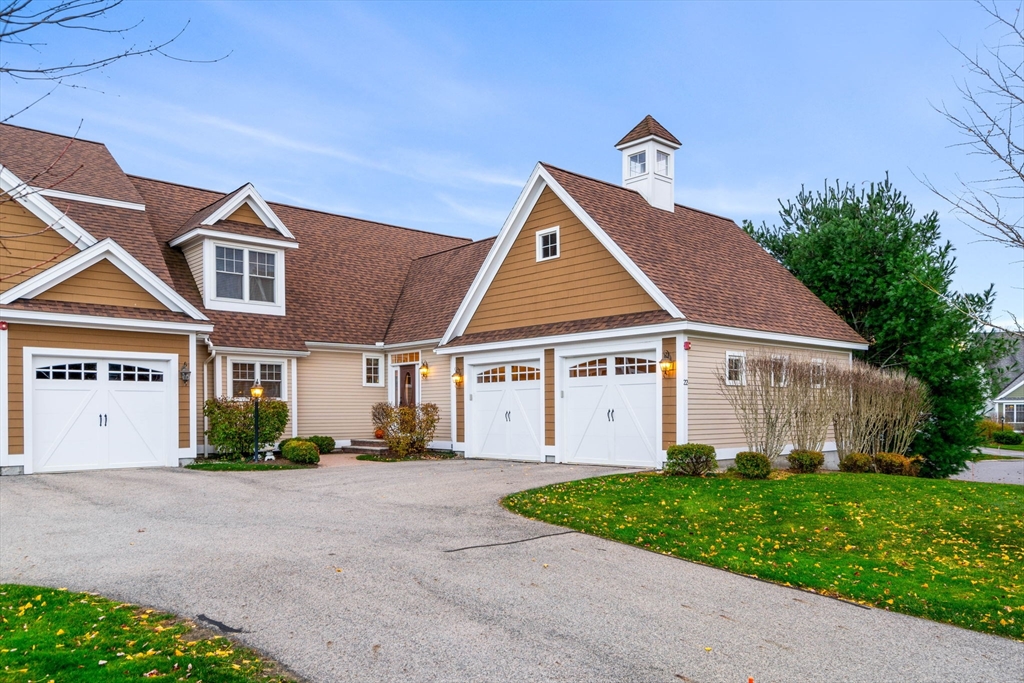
{"points": [[126, 302], [1008, 405]]}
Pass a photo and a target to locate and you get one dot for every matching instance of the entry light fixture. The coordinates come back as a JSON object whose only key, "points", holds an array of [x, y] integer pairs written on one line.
{"points": [[457, 377], [667, 364], [424, 369], [184, 373]]}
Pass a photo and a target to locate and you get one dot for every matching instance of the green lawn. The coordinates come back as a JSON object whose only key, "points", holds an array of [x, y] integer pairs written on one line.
{"points": [[950, 551], [56, 635], [1006, 447], [244, 465]]}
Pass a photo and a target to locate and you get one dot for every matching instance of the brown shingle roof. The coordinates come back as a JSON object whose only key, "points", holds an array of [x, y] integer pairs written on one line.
{"points": [[234, 227], [705, 264], [57, 162], [646, 128], [612, 322], [103, 311], [433, 292]]}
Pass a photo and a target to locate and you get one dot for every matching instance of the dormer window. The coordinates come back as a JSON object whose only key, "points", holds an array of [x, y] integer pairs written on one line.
{"points": [[232, 282], [661, 163], [638, 163]]}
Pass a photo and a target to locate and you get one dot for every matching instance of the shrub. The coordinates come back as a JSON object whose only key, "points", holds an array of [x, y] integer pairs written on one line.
{"points": [[986, 427], [408, 430], [806, 461], [753, 465], [324, 444], [857, 462], [692, 460], [380, 413], [894, 463], [1007, 437], [301, 452], [231, 424]]}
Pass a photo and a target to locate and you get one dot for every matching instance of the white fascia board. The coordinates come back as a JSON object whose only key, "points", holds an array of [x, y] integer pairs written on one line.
{"points": [[249, 195], [44, 210], [502, 244], [648, 138], [111, 251], [409, 345], [1009, 390], [242, 351], [231, 237], [89, 199], [646, 330], [338, 346], [95, 321]]}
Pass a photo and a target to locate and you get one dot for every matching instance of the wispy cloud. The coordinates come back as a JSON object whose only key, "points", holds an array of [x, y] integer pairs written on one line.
{"points": [[736, 202], [480, 215]]}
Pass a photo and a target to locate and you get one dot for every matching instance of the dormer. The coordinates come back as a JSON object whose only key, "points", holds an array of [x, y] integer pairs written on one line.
{"points": [[648, 162], [236, 249]]}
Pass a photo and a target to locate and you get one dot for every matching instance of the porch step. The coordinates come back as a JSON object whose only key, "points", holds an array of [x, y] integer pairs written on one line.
{"points": [[374, 450], [368, 443]]}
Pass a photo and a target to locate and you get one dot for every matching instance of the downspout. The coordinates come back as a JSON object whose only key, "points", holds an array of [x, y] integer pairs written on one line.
{"points": [[206, 375]]}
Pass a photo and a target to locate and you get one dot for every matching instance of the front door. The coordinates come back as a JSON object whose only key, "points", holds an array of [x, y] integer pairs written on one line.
{"points": [[407, 385]]}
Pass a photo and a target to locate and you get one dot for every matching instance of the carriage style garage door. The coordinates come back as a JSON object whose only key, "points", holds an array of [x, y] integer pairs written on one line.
{"points": [[610, 410], [505, 411], [96, 413]]}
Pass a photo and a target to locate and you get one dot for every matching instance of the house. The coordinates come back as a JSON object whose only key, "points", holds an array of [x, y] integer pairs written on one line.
{"points": [[1007, 407], [590, 329]]}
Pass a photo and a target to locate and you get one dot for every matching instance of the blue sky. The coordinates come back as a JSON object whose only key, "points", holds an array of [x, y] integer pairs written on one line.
{"points": [[432, 115]]}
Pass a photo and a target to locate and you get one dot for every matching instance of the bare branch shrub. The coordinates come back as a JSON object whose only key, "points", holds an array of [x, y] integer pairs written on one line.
{"points": [[761, 401], [877, 410], [813, 400]]}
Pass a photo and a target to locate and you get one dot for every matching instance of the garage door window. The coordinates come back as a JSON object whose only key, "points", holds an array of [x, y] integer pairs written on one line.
{"points": [[492, 375], [524, 373], [627, 365], [119, 372], [74, 371], [244, 375], [592, 368]]}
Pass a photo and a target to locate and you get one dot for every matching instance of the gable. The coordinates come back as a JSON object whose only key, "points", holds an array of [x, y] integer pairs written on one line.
{"points": [[585, 281], [245, 214], [101, 283], [29, 247]]}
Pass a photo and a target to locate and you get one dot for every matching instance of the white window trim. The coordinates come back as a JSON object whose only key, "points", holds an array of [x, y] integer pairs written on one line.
{"points": [[668, 164], [647, 163], [382, 369], [743, 371], [285, 369], [824, 368], [558, 242], [244, 305], [785, 360]]}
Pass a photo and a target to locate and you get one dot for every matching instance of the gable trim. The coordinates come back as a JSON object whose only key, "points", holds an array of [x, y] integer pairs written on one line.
{"points": [[1009, 390], [111, 251], [231, 237], [248, 195], [89, 199], [50, 215], [539, 179]]}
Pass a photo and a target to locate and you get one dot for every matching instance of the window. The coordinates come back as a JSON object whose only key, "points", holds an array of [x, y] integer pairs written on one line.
{"points": [[735, 368], [232, 282], [1013, 413], [372, 375], [402, 358], [547, 244], [637, 163], [493, 375], [524, 373], [244, 376], [780, 371], [625, 365], [73, 371], [592, 368], [119, 372], [817, 374], [661, 163]]}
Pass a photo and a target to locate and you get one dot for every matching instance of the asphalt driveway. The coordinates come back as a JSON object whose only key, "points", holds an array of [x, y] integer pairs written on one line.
{"points": [[356, 573]]}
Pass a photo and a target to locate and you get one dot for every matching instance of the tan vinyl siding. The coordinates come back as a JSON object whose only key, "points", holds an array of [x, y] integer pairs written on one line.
{"points": [[436, 387], [711, 418], [194, 258], [332, 400], [102, 283], [20, 336], [36, 247], [585, 281], [460, 402], [245, 214], [549, 397], [668, 398]]}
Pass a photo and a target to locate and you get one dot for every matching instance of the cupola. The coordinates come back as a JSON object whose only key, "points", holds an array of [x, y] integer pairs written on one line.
{"points": [[648, 162]]}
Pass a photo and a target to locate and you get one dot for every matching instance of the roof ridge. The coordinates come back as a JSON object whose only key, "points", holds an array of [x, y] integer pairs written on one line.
{"points": [[56, 135], [459, 246]]}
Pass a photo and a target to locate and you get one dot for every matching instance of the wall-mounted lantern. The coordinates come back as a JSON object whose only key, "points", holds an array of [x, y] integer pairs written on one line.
{"points": [[667, 364], [457, 377], [184, 373], [424, 370]]}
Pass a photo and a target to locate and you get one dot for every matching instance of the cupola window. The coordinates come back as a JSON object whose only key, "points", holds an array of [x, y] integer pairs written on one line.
{"points": [[638, 163], [661, 165]]}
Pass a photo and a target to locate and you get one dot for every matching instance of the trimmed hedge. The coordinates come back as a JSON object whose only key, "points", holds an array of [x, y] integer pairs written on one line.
{"points": [[1007, 437], [324, 444], [300, 452], [231, 424], [895, 463], [806, 461], [753, 465], [857, 462], [691, 460]]}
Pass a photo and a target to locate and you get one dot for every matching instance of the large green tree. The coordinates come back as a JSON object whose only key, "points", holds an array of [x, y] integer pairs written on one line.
{"points": [[888, 274]]}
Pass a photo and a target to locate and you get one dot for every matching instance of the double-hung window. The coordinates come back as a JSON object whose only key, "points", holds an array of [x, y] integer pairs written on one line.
{"points": [[637, 164], [373, 372], [244, 376], [661, 163], [246, 274], [735, 368]]}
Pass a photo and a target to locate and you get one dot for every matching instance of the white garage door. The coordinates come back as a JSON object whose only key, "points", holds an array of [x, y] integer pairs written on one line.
{"points": [[610, 410], [505, 411], [91, 413]]}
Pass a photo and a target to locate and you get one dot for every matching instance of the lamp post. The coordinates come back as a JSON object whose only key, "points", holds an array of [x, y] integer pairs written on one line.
{"points": [[256, 392]]}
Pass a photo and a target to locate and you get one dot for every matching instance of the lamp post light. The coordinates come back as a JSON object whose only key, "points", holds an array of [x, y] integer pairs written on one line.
{"points": [[256, 392]]}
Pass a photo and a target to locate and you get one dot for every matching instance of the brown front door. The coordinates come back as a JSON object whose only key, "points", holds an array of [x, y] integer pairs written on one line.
{"points": [[406, 385]]}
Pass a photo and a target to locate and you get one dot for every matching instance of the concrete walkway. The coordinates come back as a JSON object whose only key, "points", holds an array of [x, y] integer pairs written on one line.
{"points": [[994, 472], [411, 571]]}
